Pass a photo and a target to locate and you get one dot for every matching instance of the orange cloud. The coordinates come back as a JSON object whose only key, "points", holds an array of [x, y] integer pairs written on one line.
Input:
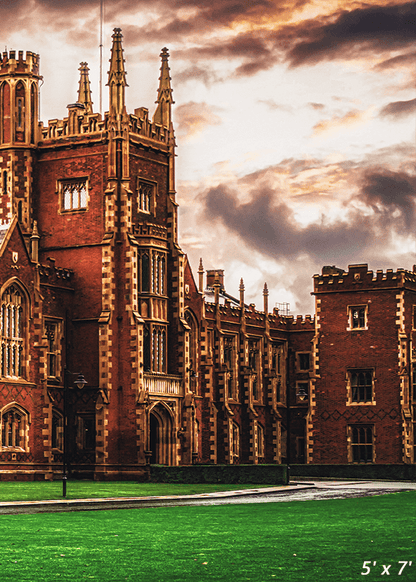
{"points": [[192, 118], [338, 122]]}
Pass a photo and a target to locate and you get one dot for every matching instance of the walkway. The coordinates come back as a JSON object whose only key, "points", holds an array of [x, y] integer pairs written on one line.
{"points": [[297, 491]]}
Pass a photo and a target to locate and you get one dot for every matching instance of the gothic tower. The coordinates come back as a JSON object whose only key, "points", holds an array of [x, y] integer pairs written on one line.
{"points": [[19, 96]]}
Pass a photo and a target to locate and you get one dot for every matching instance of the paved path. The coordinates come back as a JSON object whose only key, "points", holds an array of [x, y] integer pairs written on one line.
{"points": [[300, 491]]}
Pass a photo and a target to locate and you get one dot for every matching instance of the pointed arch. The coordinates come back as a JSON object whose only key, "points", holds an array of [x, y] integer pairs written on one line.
{"points": [[20, 111], [14, 310], [14, 423], [161, 430], [5, 112]]}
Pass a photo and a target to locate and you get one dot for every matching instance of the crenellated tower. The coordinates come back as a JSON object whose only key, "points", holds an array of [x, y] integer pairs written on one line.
{"points": [[19, 106]]}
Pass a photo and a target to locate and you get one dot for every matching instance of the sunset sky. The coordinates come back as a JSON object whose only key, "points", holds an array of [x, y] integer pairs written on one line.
{"points": [[295, 123]]}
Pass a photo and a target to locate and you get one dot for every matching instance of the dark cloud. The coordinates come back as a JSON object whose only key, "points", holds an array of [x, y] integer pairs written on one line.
{"points": [[266, 40], [403, 60], [272, 229], [268, 225], [399, 109], [193, 73], [370, 29], [386, 192]]}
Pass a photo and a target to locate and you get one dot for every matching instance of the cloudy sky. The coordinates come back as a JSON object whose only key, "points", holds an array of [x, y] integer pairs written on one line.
{"points": [[295, 123]]}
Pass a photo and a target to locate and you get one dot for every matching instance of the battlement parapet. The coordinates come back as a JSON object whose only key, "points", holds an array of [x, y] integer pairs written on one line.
{"points": [[9, 64], [53, 275], [78, 123], [72, 125], [300, 322], [359, 277], [141, 125]]}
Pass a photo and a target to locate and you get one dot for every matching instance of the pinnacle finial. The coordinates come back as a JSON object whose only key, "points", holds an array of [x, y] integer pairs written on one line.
{"points": [[163, 113], [117, 75], [84, 91]]}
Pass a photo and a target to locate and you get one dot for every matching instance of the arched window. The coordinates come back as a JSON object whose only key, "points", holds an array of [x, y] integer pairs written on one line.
{"points": [[12, 330], [234, 442], [5, 112], [260, 440], [20, 106], [14, 423], [159, 349]]}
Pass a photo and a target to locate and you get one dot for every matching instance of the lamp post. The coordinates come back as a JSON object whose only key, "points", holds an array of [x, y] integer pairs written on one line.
{"points": [[302, 395], [80, 383]]}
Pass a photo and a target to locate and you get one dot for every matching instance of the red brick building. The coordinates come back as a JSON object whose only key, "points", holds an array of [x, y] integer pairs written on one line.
{"points": [[363, 390], [93, 280]]}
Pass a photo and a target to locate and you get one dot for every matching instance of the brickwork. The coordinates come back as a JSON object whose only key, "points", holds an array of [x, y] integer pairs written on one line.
{"points": [[93, 280]]}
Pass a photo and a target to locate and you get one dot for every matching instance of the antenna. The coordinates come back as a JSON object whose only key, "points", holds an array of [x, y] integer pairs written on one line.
{"points": [[101, 54]]}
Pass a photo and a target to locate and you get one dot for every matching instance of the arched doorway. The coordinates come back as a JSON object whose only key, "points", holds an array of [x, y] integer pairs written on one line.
{"points": [[160, 436]]}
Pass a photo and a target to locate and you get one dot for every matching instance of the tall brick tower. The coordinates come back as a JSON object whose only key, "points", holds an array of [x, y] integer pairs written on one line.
{"points": [[19, 91]]}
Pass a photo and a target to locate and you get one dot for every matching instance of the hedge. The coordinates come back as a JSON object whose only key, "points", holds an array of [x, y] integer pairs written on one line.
{"points": [[256, 474], [378, 472]]}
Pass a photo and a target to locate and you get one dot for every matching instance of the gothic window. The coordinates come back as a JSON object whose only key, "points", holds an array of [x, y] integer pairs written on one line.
{"points": [[146, 349], [12, 326], [361, 443], [4, 183], [20, 111], [255, 388], [260, 440], [57, 430], [279, 396], [357, 317], [53, 335], [5, 112], [360, 384], [144, 268], [229, 358], [254, 365], [14, 422], [235, 441], [146, 194], [158, 273], [152, 272], [159, 349], [303, 361], [74, 194]]}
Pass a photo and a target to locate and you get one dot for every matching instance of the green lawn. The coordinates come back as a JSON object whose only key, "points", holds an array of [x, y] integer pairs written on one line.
{"points": [[42, 490], [291, 542]]}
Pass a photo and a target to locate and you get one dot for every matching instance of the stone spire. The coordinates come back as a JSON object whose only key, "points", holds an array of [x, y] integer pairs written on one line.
{"points": [[201, 276], [163, 113], [117, 75], [241, 289], [266, 298], [84, 91]]}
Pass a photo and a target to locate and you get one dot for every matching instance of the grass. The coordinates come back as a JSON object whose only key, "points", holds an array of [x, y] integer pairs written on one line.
{"points": [[293, 541], [43, 490]]}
